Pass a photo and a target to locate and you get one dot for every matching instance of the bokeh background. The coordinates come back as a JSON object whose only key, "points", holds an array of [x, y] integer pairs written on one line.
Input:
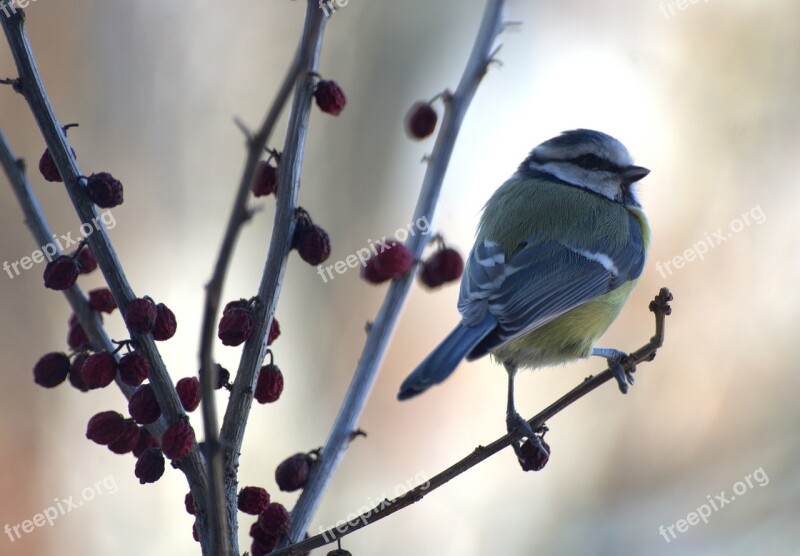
{"points": [[704, 93]]}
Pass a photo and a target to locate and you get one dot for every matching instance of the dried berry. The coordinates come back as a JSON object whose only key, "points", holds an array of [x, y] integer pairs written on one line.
{"points": [[235, 326], [269, 385], [292, 473], [446, 265], [165, 323], [105, 427], [188, 389], [47, 166], [188, 501], [143, 405], [274, 520], [253, 500], [274, 331], [141, 315], [421, 120], [149, 466], [533, 459], [76, 337], [51, 369], [99, 370], [330, 97], [127, 440], [133, 368], [195, 534], [262, 547], [312, 243], [86, 260], [100, 299], [266, 179], [146, 441], [394, 261], [75, 378], [178, 440], [104, 190], [61, 273]]}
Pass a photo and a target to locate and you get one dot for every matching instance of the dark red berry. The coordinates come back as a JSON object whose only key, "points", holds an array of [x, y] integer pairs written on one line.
{"points": [[47, 166], [274, 331], [105, 427], [146, 441], [195, 534], [178, 440], [61, 273], [104, 190], [141, 315], [100, 299], [266, 179], [292, 473], [188, 389], [86, 260], [76, 337], [421, 120], [51, 369], [312, 243], [165, 323], [269, 385], [128, 440], [99, 370], [188, 501], [274, 520], [235, 326], [394, 261], [330, 97], [133, 368], [533, 459], [253, 500], [339, 552], [238, 304], [446, 265], [143, 405], [149, 466], [262, 547], [75, 378]]}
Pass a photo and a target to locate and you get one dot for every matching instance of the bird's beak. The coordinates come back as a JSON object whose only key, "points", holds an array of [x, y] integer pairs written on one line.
{"points": [[632, 174]]}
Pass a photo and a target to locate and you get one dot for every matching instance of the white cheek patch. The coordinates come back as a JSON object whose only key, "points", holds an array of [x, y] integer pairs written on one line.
{"points": [[601, 258]]}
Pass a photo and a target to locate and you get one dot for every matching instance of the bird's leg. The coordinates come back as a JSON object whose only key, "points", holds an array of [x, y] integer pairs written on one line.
{"points": [[514, 421], [615, 359]]}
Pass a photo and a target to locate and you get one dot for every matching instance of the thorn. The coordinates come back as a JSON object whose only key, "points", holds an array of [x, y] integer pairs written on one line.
{"points": [[244, 129]]}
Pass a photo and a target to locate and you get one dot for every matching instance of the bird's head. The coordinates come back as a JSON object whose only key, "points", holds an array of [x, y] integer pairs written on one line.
{"points": [[588, 159]]}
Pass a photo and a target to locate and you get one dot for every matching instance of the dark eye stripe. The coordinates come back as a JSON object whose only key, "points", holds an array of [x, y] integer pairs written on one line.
{"points": [[594, 162]]}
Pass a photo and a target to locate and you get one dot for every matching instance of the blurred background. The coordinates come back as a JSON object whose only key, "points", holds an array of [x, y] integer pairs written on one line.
{"points": [[704, 93]]}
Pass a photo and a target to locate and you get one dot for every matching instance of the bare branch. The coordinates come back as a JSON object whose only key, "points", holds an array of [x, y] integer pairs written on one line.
{"points": [[659, 306], [381, 330], [30, 86]]}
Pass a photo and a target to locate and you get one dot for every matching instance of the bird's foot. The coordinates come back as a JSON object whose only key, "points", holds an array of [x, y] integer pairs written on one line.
{"points": [[616, 360]]}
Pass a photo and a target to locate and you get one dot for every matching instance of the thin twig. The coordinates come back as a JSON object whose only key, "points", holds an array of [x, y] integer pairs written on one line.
{"points": [[659, 306], [31, 87], [241, 399], [381, 330], [224, 515]]}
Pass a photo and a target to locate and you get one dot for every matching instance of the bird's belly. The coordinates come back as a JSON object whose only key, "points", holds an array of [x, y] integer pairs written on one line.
{"points": [[570, 336]]}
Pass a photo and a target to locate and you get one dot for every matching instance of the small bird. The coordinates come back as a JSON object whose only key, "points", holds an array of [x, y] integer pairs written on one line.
{"points": [[559, 248]]}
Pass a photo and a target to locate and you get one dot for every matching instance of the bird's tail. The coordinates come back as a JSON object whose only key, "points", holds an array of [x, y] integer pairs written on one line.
{"points": [[443, 360]]}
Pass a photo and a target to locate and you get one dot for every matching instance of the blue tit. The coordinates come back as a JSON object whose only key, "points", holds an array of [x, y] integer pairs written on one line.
{"points": [[560, 246]]}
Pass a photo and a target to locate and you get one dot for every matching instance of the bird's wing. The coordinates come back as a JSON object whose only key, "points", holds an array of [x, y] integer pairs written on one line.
{"points": [[541, 281]]}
